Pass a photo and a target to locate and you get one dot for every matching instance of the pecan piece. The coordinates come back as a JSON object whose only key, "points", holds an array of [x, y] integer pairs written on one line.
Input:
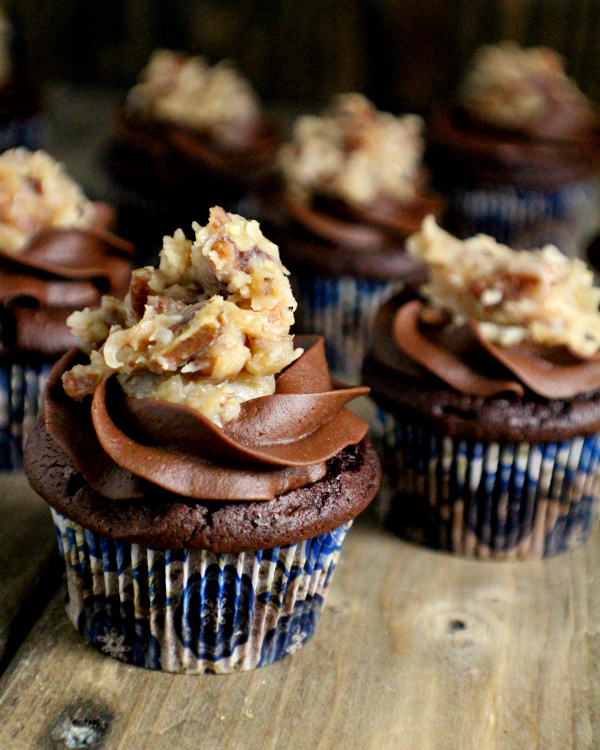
{"points": [[139, 290], [80, 382]]}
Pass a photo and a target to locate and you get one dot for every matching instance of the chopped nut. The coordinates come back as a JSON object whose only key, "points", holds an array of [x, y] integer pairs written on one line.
{"points": [[139, 290], [81, 380]]}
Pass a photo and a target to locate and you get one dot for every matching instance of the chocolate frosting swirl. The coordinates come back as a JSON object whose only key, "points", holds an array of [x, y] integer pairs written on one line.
{"points": [[60, 270], [560, 148], [338, 239], [463, 359], [277, 443], [171, 152]]}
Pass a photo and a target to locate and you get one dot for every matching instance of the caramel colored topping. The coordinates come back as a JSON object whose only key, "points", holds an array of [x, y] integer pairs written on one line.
{"points": [[36, 195], [209, 328], [516, 296], [518, 89], [355, 153], [187, 91]]}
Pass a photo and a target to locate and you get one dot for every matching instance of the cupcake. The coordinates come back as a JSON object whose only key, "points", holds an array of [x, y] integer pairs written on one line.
{"points": [[353, 188], [19, 101], [56, 256], [187, 133], [518, 151], [488, 396], [202, 471]]}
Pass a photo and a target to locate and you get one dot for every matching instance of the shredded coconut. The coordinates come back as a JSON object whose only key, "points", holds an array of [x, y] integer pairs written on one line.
{"points": [[209, 328], [511, 87], [35, 194], [353, 152], [189, 92], [537, 295]]}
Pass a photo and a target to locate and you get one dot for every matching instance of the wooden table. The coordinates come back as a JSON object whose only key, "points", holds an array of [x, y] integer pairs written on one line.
{"points": [[415, 650]]}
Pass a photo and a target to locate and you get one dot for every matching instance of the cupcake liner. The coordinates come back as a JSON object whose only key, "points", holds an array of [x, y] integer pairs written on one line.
{"points": [[21, 397], [523, 219], [14, 133], [523, 500], [195, 611], [341, 309]]}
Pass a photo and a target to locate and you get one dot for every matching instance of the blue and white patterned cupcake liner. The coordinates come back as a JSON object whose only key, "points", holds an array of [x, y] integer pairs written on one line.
{"points": [[21, 399], [195, 611], [521, 218], [341, 309], [14, 133], [522, 501]]}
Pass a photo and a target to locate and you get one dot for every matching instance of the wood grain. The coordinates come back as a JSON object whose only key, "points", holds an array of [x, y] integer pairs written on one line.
{"points": [[415, 650], [29, 571]]}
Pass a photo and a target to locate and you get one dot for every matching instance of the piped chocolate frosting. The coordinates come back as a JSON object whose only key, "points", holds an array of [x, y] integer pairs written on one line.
{"points": [[59, 271], [462, 358], [561, 148], [338, 239], [480, 399], [277, 443], [147, 149]]}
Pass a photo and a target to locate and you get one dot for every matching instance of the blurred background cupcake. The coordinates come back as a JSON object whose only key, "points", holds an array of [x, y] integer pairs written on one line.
{"points": [[488, 391], [187, 131], [56, 256], [518, 150], [352, 189]]}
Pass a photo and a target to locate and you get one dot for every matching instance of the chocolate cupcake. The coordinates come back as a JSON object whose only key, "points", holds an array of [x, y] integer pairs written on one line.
{"points": [[188, 134], [518, 150], [488, 394], [353, 190], [56, 255], [20, 120], [202, 471]]}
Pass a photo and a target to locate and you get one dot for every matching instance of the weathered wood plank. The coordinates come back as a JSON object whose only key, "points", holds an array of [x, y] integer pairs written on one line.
{"points": [[414, 650], [29, 570]]}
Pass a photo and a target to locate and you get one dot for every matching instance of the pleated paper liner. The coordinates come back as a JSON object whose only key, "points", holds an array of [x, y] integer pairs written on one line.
{"points": [[523, 218], [195, 611], [21, 398], [522, 501], [341, 309]]}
